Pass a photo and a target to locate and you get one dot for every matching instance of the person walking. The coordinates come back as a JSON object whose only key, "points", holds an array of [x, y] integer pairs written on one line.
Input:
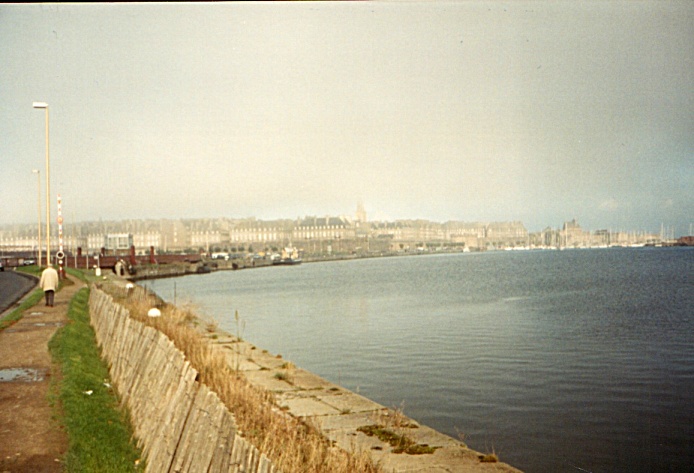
{"points": [[49, 283]]}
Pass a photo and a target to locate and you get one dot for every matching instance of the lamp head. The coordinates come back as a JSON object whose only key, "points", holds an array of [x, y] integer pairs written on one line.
{"points": [[40, 105]]}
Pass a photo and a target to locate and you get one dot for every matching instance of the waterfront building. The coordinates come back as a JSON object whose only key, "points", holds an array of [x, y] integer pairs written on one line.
{"points": [[18, 244], [144, 240], [267, 233], [406, 235], [323, 228], [549, 238], [506, 235], [94, 242], [467, 234], [205, 239], [601, 238], [574, 236], [175, 235], [324, 235], [118, 242], [327, 235]]}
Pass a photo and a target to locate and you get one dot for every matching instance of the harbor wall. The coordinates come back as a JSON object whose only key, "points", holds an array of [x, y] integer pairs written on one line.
{"points": [[179, 423], [159, 271], [182, 426]]}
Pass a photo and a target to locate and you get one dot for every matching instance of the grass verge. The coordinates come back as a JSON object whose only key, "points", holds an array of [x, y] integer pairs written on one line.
{"points": [[99, 433], [78, 273], [36, 295], [29, 301], [18, 313]]}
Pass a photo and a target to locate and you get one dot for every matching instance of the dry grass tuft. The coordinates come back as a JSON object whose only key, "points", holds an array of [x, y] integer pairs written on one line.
{"points": [[489, 458], [292, 445]]}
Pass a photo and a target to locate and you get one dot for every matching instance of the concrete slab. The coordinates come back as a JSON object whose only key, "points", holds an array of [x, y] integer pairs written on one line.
{"points": [[308, 381], [427, 436], [237, 360], [347, 422], [349, 402], [267, 380], [305, 406], [266, 360]]}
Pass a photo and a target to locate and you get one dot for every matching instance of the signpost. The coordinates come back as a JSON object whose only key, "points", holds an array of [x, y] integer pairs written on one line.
{"points": [[60, 255]]}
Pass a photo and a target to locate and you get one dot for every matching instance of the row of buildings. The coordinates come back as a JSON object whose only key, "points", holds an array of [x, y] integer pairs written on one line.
{"points": [[313, 235]]}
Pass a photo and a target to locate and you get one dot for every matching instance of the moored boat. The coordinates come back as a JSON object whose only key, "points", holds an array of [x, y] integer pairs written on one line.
{"points": [[290, 256]]}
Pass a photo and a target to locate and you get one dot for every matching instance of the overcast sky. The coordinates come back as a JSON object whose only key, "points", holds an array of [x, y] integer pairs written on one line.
{"points": [[473, 111]]}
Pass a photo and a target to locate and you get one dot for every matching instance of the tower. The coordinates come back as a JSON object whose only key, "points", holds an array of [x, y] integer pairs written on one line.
{"points": [[361, 213]]}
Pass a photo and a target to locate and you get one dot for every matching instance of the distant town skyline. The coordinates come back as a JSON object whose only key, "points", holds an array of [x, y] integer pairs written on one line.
{"points": [[324, 235], [358, 213], [210, 223], [681, 228], [533, 111]]}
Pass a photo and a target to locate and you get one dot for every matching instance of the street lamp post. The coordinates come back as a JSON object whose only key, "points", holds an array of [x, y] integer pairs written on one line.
{"points": [[44, 106], [38, 189]]}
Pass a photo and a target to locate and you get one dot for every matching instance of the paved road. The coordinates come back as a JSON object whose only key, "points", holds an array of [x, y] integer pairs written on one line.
{"points": [[12, 288]]}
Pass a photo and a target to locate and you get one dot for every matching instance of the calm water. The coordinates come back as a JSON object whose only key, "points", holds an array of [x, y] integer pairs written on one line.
{"points": [[558, 361]]}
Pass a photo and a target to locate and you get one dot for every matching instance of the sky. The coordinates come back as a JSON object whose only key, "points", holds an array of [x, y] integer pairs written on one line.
{"points": [[539, 111]]}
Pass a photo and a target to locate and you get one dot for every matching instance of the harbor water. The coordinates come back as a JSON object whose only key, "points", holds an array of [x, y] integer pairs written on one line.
{"points": [[558, 361]]}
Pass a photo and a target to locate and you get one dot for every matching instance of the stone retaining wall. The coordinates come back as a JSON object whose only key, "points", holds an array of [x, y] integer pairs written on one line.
{"points": [[180, 424]]}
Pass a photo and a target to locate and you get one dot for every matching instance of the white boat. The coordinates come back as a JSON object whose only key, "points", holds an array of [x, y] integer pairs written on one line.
{"points": [[290, 256]]}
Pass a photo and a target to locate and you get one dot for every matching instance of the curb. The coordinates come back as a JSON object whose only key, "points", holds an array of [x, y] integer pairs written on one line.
{"points": [[18, 300]]}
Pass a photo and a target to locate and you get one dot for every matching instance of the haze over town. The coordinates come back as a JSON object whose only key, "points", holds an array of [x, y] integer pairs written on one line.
{"points": [[469, 111]]}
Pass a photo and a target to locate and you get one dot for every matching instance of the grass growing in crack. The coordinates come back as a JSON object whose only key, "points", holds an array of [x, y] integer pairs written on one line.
{"points": [[390, 427], [489, 458], [282, 376], [99, 433], [400, 443]]}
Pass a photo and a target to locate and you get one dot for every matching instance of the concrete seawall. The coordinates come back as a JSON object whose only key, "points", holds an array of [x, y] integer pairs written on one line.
{"points": [[182, 426], [158, 271], [179, 423]]}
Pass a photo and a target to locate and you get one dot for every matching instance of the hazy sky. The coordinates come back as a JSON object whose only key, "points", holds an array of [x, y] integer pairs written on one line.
{"points": [[473, 111]]}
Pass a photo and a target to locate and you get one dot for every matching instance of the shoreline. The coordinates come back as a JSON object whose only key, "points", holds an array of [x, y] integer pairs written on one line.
{"points": [[208, 265], [343, 417]]}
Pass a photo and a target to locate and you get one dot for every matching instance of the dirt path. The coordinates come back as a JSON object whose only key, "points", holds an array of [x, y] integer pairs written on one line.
{"points": [[30, 439]]}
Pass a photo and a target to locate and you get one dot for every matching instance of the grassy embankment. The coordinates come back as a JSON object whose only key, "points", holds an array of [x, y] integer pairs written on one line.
{"points": [[99, 432], [100, 437], [292, 445]]}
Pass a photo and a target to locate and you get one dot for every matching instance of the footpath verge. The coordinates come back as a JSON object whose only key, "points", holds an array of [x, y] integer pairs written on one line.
{"points": [[57, 410], [30, 439]]}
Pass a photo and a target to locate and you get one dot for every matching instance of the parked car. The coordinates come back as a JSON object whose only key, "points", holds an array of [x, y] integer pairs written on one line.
{"points": [[29, 262], [2, 266]]}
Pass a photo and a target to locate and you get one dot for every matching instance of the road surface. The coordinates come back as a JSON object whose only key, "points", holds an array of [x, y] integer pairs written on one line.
{"points": [[12, 287]]}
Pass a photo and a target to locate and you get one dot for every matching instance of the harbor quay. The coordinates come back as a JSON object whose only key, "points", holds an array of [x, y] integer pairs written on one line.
{"points": [[344, 417], [347, 420]]}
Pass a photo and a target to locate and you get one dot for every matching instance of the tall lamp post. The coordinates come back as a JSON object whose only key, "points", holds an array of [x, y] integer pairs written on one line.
{"points": [[38, 189], [44, 106]]}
